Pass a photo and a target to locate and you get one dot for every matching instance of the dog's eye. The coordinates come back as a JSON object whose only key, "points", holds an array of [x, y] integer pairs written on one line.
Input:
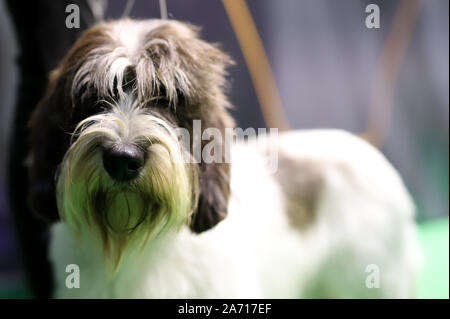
{"points": [[160, 99], [101, 107], [129, 79], [181, 97], [163, 100], [86, 105]]}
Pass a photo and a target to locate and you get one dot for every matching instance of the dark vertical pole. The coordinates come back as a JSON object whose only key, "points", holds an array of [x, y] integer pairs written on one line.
{"points": [[43, 39]]}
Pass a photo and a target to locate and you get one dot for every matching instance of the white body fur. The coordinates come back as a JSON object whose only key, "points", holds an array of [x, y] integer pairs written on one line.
{"points": [[364, 216]]}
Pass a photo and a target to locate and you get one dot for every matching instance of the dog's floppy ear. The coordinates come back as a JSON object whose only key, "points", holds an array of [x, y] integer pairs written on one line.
{"points": [[214, 178], [48, 143], [51, 124], [214, 193], [214, 184]]}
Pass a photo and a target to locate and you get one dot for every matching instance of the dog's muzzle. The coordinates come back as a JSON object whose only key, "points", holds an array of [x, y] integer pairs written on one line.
{"points": [[123, 163]]}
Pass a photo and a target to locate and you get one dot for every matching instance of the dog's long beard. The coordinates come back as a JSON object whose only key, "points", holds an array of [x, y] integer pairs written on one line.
{"points": [[123, 216]]}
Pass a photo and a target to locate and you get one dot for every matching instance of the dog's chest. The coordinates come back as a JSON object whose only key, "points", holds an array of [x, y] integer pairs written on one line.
{"points": [[227, 261], [184, 267]]}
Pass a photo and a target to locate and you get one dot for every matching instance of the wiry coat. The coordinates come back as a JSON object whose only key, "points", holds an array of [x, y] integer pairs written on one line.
{"points": [[188, 229]]}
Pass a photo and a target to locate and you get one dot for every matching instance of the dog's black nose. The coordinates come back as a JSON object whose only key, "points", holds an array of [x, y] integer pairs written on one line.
{"points": [[123, 163]]}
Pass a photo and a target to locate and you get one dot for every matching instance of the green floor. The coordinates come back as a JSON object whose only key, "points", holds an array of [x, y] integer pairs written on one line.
{"points": [[433, 279]]}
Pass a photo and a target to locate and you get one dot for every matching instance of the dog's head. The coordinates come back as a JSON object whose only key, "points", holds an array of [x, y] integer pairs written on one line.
{"points": [[107, 128]]}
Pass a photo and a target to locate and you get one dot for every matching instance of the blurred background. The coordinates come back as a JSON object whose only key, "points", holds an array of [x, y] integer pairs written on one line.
{"points": [[331, 71]]}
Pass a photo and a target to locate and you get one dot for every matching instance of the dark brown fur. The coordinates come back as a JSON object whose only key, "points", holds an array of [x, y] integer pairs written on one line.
{"points": [[62, 108]]}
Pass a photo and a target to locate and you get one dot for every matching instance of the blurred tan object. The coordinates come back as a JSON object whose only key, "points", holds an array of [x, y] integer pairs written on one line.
{"points": [[257, 63], [387, 71]]}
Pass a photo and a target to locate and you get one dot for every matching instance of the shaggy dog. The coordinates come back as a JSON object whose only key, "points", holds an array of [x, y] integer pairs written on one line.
{"points": [[143, 213]]}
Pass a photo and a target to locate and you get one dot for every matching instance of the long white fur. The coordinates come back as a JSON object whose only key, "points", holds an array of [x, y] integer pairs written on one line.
{"points": [[106, 65], [364, 216], [168, 176]]}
